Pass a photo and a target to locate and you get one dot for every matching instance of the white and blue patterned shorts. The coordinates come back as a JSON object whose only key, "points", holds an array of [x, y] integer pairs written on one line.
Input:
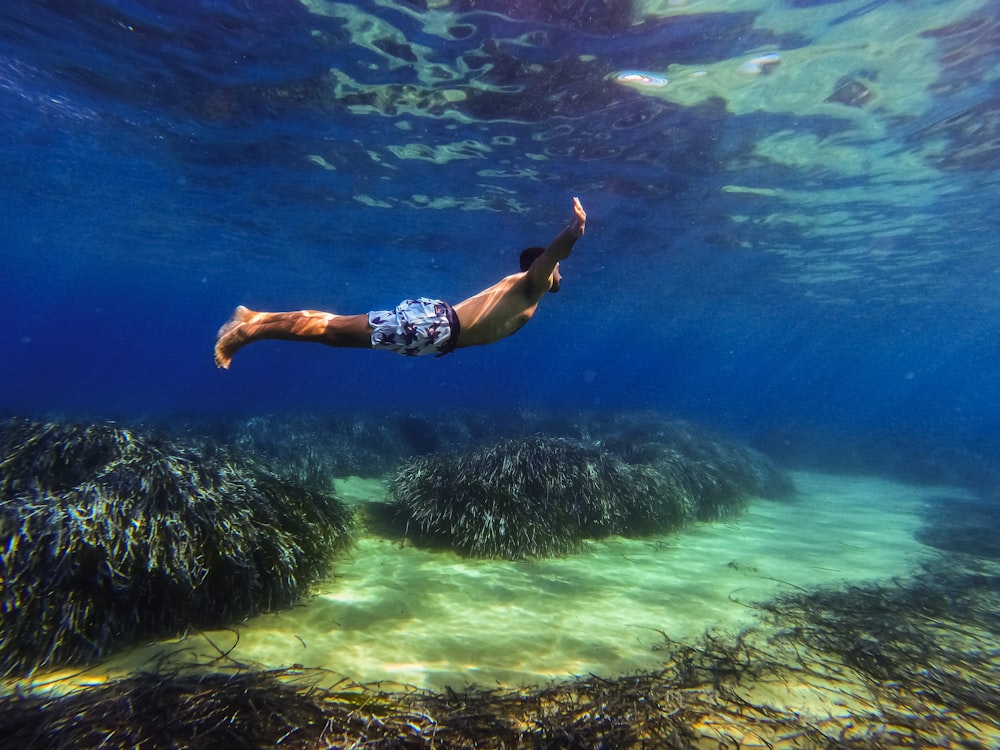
{"points": [[416, 327]]}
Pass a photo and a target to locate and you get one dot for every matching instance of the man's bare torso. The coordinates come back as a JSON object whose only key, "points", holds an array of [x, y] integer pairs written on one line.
{"points": [[498, 311]]}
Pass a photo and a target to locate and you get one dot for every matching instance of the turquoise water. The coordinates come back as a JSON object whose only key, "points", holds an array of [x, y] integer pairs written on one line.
{"points": [[791, 240], [768, 245]]}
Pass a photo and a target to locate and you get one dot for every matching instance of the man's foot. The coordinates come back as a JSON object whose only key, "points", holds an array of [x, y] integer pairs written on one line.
{"points": [[232, 336]]}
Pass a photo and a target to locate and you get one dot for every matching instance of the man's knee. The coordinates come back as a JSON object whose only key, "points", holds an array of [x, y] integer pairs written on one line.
{"points": [[349, 331]]}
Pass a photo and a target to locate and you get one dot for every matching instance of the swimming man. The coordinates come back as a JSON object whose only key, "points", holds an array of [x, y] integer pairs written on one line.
{"points": [[418, 326]]}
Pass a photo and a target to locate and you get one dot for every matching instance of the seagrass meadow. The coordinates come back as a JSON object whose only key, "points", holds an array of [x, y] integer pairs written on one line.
{"points": [[529, 580]]}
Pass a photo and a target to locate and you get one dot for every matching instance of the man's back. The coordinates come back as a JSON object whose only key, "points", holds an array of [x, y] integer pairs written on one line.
{"points": [[498, 311]]}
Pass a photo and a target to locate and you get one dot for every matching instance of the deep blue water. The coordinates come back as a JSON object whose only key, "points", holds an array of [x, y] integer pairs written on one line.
{"points": [[810, 249]]}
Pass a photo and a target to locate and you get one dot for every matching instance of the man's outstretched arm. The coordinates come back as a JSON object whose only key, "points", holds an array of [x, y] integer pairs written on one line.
{"points": [[560, 248]]}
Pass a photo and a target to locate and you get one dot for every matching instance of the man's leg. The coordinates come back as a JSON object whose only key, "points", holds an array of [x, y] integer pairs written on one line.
{"points": [[247, 326]]}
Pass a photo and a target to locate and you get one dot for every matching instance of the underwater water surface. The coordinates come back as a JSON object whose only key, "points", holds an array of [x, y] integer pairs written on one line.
{"points": [[808, 240], [791, 240]]}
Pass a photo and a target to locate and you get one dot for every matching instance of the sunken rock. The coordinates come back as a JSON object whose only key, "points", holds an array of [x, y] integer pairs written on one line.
{"points": [[108, 536]]}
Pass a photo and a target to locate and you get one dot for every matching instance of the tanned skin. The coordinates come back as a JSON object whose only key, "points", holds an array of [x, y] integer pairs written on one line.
{"points": [[489, 316]]}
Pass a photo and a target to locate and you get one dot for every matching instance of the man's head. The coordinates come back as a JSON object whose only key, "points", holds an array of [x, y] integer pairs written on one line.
{"points": [[530, 255]]}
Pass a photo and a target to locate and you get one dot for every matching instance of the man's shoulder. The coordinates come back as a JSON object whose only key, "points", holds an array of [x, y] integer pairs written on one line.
{"points": [[508, 283], [519, 284], [515, 284]]}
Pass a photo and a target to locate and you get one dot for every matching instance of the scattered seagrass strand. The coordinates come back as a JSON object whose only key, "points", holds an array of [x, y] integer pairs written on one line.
{"points": [[907, 664]]}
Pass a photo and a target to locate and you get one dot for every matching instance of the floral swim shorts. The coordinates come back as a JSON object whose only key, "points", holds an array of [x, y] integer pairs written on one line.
{"points": [[416, 327]]}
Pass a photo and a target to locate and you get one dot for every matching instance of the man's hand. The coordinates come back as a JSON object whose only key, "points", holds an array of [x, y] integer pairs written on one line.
{"points": [[579, 223]]}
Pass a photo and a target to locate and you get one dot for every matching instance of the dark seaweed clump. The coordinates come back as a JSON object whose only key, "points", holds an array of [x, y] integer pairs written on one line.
{"points": [[907, 664], [108, 535], [543, 496], [539, 496]]}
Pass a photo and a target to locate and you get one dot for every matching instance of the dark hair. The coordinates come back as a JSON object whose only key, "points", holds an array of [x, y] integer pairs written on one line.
{"points": [[529, 256]]}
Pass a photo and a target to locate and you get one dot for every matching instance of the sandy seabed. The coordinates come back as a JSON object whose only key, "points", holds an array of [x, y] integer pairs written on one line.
{"points": [[430, 619]]}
